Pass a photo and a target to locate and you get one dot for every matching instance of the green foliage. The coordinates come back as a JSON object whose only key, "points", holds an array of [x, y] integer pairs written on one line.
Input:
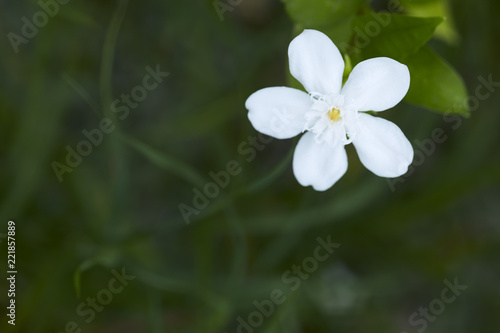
{"points": [[393, 36], [435, 84], [400, 238], [321, 13], [446, 31]]}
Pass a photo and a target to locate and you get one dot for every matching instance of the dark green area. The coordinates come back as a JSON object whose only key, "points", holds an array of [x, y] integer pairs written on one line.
{"points": [[119, 208]]}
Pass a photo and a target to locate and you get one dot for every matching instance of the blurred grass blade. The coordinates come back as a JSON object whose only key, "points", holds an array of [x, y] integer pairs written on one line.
{"points": [[108, 55], [83, 93], [169, 163], [275, 173]]}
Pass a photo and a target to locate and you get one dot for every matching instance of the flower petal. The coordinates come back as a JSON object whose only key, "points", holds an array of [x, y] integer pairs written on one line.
{"points": [[318, 164], [382, 147], [316, 62], [278, 111], [377, 84]]}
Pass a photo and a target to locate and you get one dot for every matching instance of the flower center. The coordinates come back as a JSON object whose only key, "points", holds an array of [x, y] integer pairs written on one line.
{"points": [[334, 114], [332, 119]]}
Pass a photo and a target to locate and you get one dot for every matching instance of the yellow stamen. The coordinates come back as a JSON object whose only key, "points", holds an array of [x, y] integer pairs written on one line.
{"points": [[334, 114]]}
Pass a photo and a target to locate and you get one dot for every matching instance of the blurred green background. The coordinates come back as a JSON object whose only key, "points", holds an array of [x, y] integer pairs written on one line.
{"points": [[119, 208]]}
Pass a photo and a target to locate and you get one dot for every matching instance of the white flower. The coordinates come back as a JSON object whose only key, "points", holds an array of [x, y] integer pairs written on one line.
{"points": [[332, 115]]}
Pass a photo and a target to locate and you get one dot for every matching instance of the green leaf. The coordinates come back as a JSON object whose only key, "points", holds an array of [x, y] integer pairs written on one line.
{"points": [[341, 34], [445, 31], [391, 35], [321, 13], [435, 84]]}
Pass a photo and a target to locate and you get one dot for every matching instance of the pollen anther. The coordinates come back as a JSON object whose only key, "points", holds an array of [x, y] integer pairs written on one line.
{"points": [[334, 114]]}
